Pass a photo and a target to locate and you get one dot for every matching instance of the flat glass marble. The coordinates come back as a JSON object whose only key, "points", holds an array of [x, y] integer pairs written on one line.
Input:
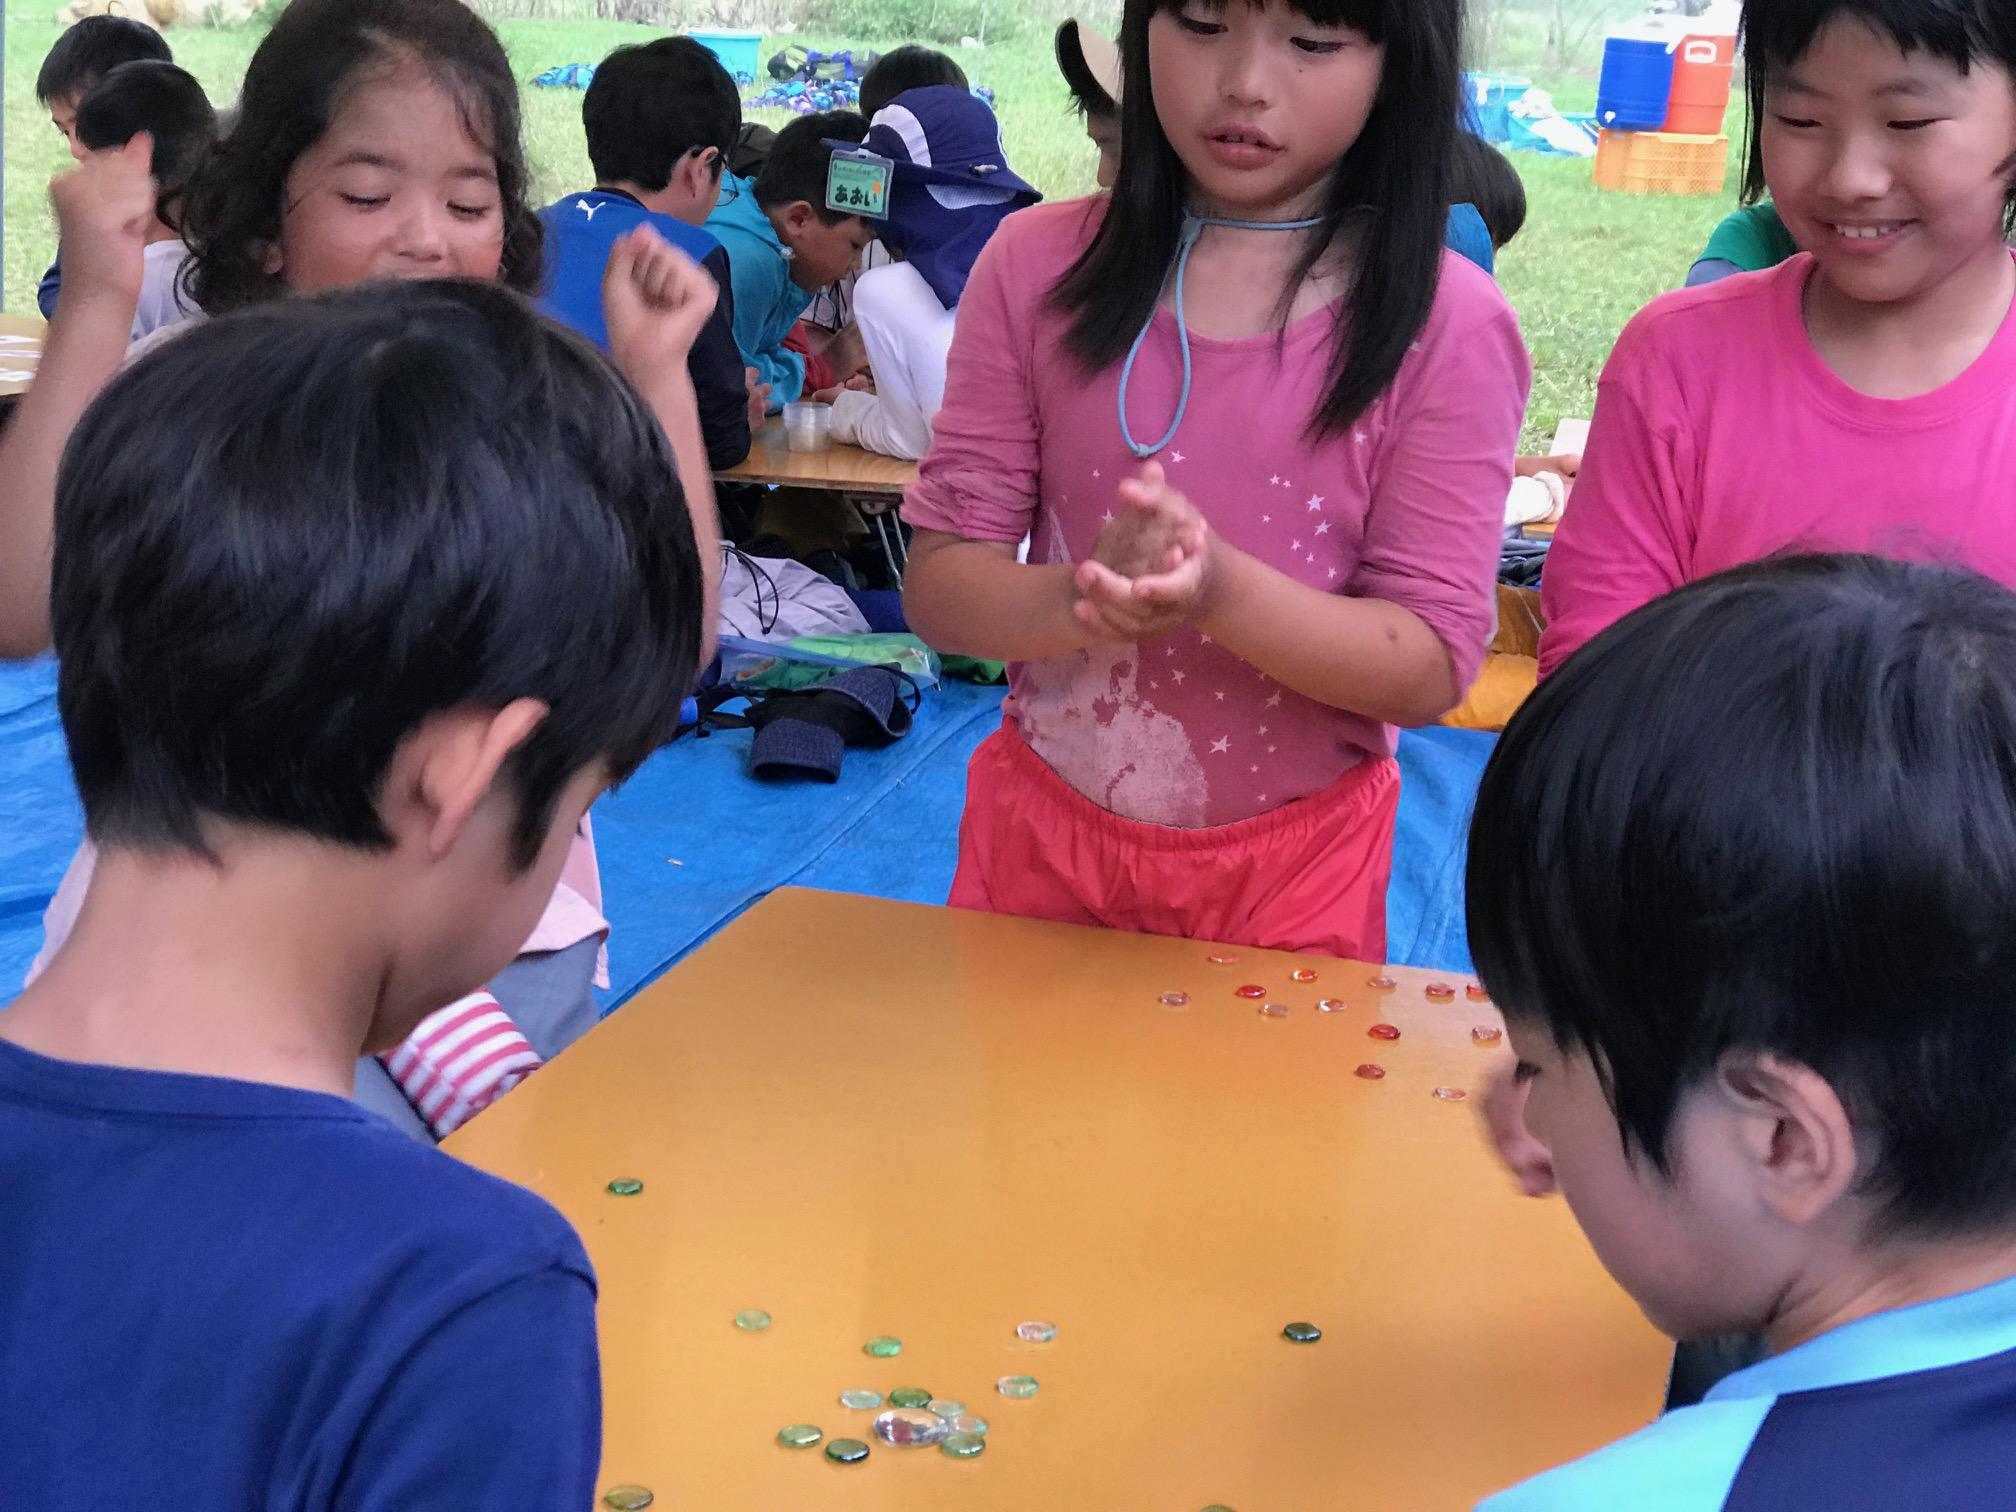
{"points": [[845, 1451], [1476, 993], [1016, 1386], [1383, 1032], [1274, 1010], [1174, 1000], [963, 1445], [1369, 1072], [966, 1422], [627, 1498], [882, 1347], [752, 1320], [1250, 991], [1487, 1034], [1034, 1332], [1331, 1005], [946, 1408], [1223, 958], [859, 1400], [799, 1436], [626, 1186], [1382, 984], [909, 1396], [1441, 992], [911, 1428], [1451, 1094], [1304, 974], [1301, 1333]]}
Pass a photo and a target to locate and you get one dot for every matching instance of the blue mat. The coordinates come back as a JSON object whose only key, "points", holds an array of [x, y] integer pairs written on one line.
{"points": [[692, 840]]}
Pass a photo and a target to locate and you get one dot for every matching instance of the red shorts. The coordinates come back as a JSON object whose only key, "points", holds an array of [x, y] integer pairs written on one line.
{"points": [[1307, 877]]}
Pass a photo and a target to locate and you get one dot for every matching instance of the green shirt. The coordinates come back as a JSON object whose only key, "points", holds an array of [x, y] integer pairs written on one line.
{"points": [[1753, 239]]}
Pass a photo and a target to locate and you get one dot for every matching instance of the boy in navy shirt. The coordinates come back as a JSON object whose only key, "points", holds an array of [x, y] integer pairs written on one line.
{"points": [[1743, 879], [332, 741], [660, 119]]}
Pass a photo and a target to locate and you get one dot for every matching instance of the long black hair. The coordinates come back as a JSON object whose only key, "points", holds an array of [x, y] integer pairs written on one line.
{"points": [[1387, 194], [293, 85], [1961, 32]]}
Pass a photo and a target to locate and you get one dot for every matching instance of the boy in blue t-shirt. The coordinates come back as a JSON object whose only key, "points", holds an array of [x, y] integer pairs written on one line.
{"points": [[1743, 879], [332, 741], [660, 119]]}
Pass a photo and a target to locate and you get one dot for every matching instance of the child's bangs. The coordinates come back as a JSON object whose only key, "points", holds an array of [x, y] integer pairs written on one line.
{"points": [[1776, 36], [1372, 17]]}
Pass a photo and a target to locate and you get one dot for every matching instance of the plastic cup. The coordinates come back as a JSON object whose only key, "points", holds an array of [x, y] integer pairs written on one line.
{"points": [[808, 427]]}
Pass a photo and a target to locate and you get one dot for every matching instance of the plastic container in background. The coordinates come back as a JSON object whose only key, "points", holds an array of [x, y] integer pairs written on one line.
{"points": [[740, 52], [1487, 103], [1704, 71], [808, 427], [1659, 162], [1635, 88]]}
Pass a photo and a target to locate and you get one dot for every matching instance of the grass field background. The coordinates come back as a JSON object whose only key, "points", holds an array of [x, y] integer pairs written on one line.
{"points": [[1587, 261]]}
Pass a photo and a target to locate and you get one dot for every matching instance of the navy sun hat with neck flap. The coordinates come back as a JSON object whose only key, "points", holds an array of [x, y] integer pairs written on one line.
{"points": [[951, 186]]}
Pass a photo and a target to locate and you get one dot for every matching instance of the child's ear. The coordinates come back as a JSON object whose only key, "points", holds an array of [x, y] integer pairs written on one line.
{"points": [[1792, 1131], [443, 771], [798, 218]]}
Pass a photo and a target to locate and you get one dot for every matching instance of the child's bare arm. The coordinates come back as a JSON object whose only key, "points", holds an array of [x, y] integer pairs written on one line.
{"points": [[972, 598], [104, 207], [655, 300]]}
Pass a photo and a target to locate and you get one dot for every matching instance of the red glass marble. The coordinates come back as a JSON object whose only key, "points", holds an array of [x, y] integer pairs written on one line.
{"points": [[1383, 1032], [1304, 974], [1250, 991], [1370, 1072], [1476, 993], [1441, 992], [1487, 1034]]}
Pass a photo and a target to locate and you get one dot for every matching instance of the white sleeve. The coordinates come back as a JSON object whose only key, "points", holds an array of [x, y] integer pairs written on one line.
{"points": [[908, 334]]}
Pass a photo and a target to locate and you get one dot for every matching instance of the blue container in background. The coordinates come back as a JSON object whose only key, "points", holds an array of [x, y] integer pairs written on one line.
{"points": [[1487, 103], [741, 52], [1636, 85]]}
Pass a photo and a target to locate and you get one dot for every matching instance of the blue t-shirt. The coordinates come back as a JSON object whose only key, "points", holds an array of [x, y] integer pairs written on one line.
{"points": [[580, 231], [220, 1295], [1467, 234], [1901, 1410]]}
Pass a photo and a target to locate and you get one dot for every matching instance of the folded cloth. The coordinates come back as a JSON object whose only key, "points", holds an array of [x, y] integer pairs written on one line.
{"points": [[805, 733], [459, 1060]]}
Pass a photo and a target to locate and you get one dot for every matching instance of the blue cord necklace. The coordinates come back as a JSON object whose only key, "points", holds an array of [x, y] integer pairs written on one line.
{"points": [[1186, 242]]}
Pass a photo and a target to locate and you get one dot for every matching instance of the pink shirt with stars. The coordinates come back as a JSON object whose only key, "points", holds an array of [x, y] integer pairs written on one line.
{"points": [[1408, 508]]}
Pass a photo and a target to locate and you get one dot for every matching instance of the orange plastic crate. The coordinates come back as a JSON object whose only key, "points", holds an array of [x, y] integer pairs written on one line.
{"points": [[1661, 162]]}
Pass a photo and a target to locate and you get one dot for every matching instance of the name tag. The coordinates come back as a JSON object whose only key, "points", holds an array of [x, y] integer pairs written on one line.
{"points": [[857, 183]]}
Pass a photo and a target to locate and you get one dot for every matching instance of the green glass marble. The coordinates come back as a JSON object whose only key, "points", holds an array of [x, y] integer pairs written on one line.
{"points": [[963, 1445], [859, 1400], [967, 1423], [945, 1407], [909, 1396], [752, 1320], [882, 1347], [1217, 1507], [627, 1498], [1302, 1333], [799, 1436], [845, 1451], [1016, 1386], [626, 1186]]}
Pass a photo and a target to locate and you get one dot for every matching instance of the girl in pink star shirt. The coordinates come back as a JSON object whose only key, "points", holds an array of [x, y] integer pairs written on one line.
{"points": [[1211, 650]]}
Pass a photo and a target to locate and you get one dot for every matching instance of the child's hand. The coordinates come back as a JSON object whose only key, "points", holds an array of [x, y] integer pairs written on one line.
{"points": [[1149, 569], [104, 210], [655, 300], [759, 398], [847, 354]]}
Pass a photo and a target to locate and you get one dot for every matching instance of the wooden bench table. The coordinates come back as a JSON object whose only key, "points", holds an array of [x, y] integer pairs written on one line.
{"points": [[873, 1118]]}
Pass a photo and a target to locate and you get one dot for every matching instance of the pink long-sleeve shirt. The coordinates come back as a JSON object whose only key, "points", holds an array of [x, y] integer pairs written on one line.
{"points": [[1722, 437], [1407, 506]]}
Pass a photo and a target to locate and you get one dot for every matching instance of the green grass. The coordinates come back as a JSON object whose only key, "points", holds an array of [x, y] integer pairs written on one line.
{"points": [[1586, 262]]}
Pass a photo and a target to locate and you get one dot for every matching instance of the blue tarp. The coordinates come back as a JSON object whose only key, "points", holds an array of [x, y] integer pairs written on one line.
{"points": [[888, 828]]}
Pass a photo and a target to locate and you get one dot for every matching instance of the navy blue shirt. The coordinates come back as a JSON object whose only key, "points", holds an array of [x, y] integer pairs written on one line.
{"points": [[1914, 1408], [223, 1296], [580, 230]]}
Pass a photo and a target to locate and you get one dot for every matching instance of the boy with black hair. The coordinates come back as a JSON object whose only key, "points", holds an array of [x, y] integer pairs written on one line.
{"points": [[1483, 177], [82, 56], [170, 106], [333, 742], [1743, 879], [784, 245], [907, 67], [660, 119], [1090, 64]]}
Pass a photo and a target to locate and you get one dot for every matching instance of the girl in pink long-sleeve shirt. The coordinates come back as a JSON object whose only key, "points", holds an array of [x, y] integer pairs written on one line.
{"points": [[1211, 651], [1859, 396]]}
